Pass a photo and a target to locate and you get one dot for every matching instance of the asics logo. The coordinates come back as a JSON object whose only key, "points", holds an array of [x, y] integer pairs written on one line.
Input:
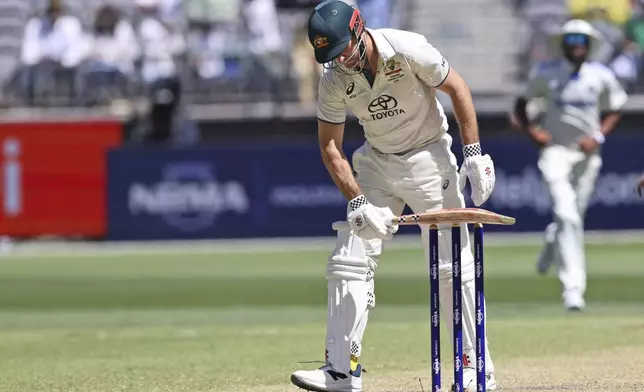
{"points": [[350, 87]]}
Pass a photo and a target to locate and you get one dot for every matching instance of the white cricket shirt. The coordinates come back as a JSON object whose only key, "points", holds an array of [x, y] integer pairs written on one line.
{"points": [[574, 102], [400, 112]]}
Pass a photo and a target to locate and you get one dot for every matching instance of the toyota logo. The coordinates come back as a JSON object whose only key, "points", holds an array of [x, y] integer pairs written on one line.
{"points": [[383, 102]]}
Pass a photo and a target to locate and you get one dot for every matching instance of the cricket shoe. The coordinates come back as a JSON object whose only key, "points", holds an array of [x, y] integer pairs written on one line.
{"points": [[469, 381], [574, 301], [326, 379]]}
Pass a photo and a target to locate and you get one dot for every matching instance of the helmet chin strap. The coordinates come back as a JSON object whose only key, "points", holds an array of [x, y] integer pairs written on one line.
{"points": [[363, 54], [366, 70]]}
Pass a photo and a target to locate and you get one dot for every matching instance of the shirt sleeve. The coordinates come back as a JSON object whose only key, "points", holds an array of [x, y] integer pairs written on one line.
{"points": [[331, 105], [31, 51], [73, 53], [537, 83], [613, 96], [429, 64]]}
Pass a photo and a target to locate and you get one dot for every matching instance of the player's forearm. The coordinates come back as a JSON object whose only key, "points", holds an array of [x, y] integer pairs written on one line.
{"points": [[461, 97], [609, 122], [341, 172], [465, 115]]}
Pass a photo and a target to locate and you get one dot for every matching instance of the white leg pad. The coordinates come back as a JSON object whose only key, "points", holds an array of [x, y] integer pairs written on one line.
{"points": [[350, 272]]}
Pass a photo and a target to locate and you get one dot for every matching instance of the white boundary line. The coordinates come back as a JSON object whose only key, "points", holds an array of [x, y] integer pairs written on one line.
{"points": [[42, 249]]}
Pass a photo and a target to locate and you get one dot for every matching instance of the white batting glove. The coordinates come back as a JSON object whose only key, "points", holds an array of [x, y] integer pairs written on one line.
{"points": [[368, 221], [480, 171]]}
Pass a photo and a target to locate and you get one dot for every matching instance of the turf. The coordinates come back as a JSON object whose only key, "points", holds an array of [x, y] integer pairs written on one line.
{"points": [[241, 321]]}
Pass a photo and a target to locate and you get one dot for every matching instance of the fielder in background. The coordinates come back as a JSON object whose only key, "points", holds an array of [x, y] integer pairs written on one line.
{"points": [[388, 79], [582, 101]]}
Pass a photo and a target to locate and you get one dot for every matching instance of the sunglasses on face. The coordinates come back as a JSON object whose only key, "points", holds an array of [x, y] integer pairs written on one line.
{"points": [[575, 39]]}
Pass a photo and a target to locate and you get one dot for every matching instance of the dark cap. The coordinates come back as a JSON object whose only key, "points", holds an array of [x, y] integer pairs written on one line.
{"points": [[330, 28]]}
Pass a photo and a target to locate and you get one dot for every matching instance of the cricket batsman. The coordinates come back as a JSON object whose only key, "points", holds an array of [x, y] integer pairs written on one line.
{"points": [[582, 103], [388, 79]]}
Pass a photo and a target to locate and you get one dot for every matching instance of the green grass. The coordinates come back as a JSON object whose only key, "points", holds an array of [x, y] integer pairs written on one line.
{"points": [[240, 322], [284, 279]]}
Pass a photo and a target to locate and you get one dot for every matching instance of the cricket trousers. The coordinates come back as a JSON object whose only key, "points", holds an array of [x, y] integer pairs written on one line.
{"points": [[425, 179], [570, 177]]}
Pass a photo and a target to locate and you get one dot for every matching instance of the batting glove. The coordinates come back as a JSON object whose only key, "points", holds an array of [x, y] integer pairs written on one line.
{"points": [[480, 171], [368, 221]]}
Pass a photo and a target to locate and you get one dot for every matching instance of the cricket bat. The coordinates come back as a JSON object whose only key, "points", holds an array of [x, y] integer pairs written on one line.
{"points": [[455, 216]]}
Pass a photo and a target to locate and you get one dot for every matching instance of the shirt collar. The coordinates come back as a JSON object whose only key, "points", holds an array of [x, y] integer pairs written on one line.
{"points": [[384, 48], [568, 67]]}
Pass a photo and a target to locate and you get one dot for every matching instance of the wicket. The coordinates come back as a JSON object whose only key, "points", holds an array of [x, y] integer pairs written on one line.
{"points": [[456, 217], [457, 292]]}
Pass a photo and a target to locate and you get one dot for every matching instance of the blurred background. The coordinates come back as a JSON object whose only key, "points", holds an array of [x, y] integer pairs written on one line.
{"points": [[130, 126], [195, 119]]}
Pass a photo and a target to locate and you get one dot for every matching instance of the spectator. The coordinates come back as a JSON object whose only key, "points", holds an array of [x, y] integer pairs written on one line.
{"points": [[170, 10], [266, 46], [599, 19], [162, 44], [618, 10], [634, 32], [112, 49], [51, 51], [543, 19], [212, 39], [613, 53], [206, 47], [293, 17]]}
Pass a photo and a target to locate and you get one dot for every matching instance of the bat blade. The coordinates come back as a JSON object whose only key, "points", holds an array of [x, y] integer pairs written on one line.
{"points": [[455, 216]]}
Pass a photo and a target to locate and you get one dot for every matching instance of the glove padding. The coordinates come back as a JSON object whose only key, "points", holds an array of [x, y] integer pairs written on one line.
{"points": [[368, 221], [480, 170]]}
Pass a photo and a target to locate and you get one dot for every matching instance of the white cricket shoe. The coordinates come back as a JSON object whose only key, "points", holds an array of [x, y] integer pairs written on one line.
{"points": [[574, 301], [326, 379], [469, 381]]}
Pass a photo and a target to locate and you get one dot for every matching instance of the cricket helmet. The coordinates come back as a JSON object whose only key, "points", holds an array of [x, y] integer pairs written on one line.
{"points": [[331, 26]]}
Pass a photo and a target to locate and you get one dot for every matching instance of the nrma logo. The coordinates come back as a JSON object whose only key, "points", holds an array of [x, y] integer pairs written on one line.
{"points": [[188, 197]]}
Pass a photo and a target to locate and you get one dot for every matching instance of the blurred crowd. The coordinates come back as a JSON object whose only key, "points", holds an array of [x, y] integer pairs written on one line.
{"points": [[97, 52], [94, 52], [621, 22]]}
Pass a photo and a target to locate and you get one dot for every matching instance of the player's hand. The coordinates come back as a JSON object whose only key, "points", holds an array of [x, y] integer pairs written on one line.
{"points": [[540, 136], [368, 221], [587, 144], [480, 171], [640, 187]]}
